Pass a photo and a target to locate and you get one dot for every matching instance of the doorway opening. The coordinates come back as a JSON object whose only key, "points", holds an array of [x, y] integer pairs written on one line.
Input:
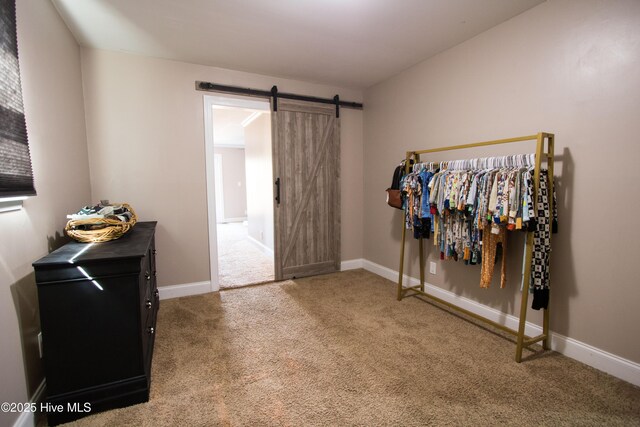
{"points": [[239, 183]]}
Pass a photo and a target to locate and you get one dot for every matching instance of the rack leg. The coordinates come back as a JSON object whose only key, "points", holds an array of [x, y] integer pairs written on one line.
{"points": [[401, 269], [550, 153], [523, 321], [529, 251], [422, 262], [525, 297], [545, 330]]}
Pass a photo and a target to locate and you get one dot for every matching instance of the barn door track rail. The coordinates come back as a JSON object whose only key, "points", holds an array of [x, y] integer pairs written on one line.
{"points": [[275, 94]]}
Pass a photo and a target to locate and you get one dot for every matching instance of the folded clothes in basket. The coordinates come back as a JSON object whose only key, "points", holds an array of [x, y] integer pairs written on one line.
{"points": [[101, 222], [115, 212]]}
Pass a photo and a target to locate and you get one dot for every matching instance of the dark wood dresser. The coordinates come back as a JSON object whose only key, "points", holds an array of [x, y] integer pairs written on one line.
{"points": [[98, 308]]}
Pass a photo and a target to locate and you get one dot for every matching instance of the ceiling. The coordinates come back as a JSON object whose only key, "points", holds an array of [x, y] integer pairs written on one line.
{"points": [[349, 43], [228, 125]]}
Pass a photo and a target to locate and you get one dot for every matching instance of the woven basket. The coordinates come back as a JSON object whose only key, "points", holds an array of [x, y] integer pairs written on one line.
{"points": [[113, 229]]}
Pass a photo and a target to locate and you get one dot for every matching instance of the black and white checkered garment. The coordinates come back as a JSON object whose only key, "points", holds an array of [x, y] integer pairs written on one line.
{"points": [[545, 224]]}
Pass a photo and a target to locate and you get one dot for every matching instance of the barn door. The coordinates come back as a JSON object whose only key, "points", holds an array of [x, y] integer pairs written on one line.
{"points": [[306, 167]]}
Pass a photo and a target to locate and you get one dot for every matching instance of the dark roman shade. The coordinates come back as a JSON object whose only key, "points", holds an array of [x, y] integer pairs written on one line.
{"points": [[16, 176]]}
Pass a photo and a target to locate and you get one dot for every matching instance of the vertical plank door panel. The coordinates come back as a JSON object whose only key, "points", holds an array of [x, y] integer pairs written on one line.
{"points": [[306, 148]]}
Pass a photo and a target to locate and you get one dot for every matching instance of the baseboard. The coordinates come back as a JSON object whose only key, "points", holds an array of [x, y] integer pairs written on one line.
{"points": [[617, 366], [600, 359], [184, 290], [351, 264], [264, 248], [237, 219], [27, 419]]}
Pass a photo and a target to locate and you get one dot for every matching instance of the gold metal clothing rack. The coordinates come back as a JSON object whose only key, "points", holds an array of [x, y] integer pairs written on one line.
{"points": [[522, 340]]}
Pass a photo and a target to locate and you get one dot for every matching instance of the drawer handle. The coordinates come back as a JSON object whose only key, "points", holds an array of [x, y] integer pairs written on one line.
{"points": [[147, 276], [156, 293], [155, 251], [151, 330], [149, 304]]}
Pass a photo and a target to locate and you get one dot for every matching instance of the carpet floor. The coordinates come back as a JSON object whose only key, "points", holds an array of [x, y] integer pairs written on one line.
{"points": [[240, 261], [339, 350]]}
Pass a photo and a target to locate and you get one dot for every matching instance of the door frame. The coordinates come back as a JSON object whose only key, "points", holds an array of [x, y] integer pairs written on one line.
{"points": [[208, 102], [219, 187]]}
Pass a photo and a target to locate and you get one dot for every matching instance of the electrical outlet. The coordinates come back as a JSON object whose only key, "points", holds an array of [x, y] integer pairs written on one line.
{"points": [[40, 344], [432, 267]]}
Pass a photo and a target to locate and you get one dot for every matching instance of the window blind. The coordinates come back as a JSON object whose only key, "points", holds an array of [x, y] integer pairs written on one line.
{"points": [[16, 175]]}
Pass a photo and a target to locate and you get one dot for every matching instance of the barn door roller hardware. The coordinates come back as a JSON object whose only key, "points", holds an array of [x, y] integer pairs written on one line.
{"points": [[274, 94]]}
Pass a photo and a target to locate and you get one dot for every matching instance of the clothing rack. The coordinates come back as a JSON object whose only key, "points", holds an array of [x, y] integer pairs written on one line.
{"points": [[522, 340]]}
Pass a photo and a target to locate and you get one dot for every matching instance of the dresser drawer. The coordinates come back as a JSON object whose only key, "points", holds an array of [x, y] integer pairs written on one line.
{"points": [[150, 307], [146, 278], [149, 333], [94, 269], [89, 328], [148, 321]]}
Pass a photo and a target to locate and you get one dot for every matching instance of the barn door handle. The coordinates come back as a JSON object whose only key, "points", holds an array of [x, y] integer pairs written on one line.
{"points": [[277, 190]]}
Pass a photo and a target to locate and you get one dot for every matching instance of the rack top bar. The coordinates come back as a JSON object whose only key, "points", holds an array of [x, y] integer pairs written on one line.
{"points": [[481, 144]]}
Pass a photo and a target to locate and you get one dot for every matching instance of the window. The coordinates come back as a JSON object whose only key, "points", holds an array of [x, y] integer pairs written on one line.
{"points": [[16, 176]]}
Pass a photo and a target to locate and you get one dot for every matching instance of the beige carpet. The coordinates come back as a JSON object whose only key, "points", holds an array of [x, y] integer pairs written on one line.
{"points": [[240, 261], [339, 350]]}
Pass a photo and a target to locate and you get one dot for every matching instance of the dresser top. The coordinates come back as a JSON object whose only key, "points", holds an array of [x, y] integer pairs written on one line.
{"points": [[133, 244]]}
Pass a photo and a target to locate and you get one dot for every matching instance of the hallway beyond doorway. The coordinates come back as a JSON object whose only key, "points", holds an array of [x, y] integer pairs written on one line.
{"points": [[241, 261]]}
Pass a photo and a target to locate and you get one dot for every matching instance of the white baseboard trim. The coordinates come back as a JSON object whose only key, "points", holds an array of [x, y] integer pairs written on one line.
{"points": [[237, 219], [184, 290], [600, 359], [617, 366], [351, 264], [27, 419], [264, 248]]}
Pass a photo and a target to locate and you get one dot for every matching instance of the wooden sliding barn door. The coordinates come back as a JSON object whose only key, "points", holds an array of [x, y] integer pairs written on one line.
{"points": [[306, 167]]}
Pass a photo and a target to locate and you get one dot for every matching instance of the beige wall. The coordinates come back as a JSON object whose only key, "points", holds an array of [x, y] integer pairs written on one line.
{"points": [[259, 169], [52, 89], [145, 131], [567, 67], [351, 183], [234, 188]]}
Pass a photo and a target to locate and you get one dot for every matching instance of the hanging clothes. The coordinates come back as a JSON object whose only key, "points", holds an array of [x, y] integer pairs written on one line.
{"points": [[415, 189], [411, 190], [462, 201], [490, 243], [546, 223], [424, 217], [469, 210]]}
